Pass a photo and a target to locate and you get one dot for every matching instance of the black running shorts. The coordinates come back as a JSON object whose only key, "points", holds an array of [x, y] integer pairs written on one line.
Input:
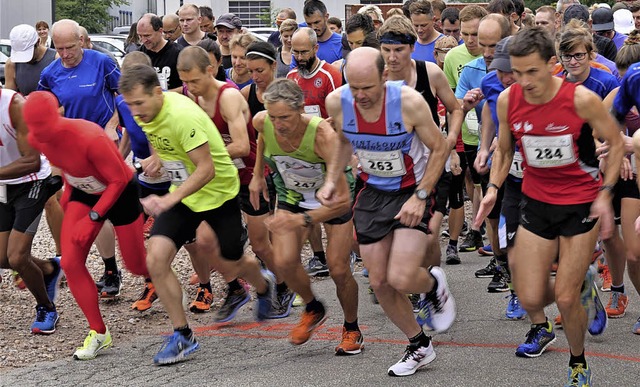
{"points": [[551, 221]]}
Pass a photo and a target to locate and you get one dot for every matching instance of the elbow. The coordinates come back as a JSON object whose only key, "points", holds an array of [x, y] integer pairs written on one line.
{"points": [[244, 151]]}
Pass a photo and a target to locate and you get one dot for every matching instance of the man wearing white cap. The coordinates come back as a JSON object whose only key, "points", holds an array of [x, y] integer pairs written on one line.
{"points": [[623, 21]]}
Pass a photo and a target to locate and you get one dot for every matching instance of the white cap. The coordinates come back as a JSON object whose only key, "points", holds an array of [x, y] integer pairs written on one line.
{"points": [[23, 39], [623, 21]]}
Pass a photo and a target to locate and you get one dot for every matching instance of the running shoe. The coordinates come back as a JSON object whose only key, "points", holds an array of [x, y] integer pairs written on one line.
{"points": [[599, 323], [413, 359], [17, 281], [452, 256], [309, 321], [438, 309], [265, 301], [351, 344], [353, 258], [297, 301], [500, 281], [46, 320], [636, 327], [605, 275], [282, 304], [148, 225], [203, 301], [175, 348], [112, 285], [52, 281], [415, 301], [234, 301], [472, 242], [596, 313], [515, 311], [315, 268], [557, 322], [365, 272], [465, 229], [146, 299], [579, 376], [372, 295], [487, 272], [486, 250], [617, 305], [93, 343], [538, 339]]}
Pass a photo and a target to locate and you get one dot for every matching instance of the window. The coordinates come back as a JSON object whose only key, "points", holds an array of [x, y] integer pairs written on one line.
{"points": [[376, 2], [252, 13]]}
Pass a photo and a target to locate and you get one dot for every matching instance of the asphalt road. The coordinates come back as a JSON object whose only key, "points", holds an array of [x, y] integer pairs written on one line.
{"points": [[477, 351]]}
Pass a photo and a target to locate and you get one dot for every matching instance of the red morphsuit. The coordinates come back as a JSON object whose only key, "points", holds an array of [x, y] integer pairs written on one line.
{"points": [[92, 169]]}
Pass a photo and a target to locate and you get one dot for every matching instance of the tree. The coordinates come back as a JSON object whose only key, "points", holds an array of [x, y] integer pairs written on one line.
{"points": [[91, 14]]}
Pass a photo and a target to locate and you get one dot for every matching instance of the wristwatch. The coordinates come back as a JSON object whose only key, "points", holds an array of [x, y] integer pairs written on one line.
{"points": [[138, 166], [94, 216], [422, 194]]}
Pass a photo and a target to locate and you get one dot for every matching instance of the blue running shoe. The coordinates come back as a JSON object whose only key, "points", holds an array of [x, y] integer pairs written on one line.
{"points": [[579, 376], [599, 323], [265, 301], [486, 250], [52, 281], [232, 303], [46, 320], [365, 272], [175, 348], [514, 308], [538, 339], [589, 296]]}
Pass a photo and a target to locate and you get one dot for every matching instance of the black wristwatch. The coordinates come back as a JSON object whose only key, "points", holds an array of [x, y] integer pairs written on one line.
{"points": [[422, 194], [138, 167], [94, 216]]}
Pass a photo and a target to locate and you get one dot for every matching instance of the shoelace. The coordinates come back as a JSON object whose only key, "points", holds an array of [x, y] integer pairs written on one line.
{"points": [[111, 280], [41, 314], [576, 371], [531, 335], [411, 353], [201, 295], [615, 300]]}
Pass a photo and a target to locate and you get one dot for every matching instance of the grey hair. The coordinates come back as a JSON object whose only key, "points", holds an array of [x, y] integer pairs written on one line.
{"points": [[66, 21], [560, 3], [313, 38], [285, 91]]}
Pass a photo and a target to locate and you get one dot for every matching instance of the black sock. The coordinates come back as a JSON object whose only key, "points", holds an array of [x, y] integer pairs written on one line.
{"points": [[574, 360], [281, 287], [502, 260], [315, 306], [147, 280], [184, 331], [351, 326], [207, 286], [544, 325], [420, 340], [619, 289], [453, 243], [110, 265], [321, 257], [234, 285]]}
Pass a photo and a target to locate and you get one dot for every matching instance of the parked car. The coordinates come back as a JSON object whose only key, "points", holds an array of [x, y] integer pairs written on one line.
{"points": [[3, 60], [112, 43], [5, 52], [262, 33], [124, 30]]}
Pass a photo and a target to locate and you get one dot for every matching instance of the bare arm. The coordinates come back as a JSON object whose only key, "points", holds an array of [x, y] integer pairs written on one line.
{"points": [[235, 111], [29, 162], [444, 92], [10, 76], [125, 144], [344, 150], [258, 185]]}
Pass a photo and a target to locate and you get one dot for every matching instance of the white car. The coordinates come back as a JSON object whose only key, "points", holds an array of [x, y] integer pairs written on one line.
{"points": [[5, 52], [112, 43], [261, 33]]}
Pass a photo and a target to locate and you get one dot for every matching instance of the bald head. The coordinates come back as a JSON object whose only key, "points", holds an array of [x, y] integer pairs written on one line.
{"points": [[365, 60], [170, 18], [305, 35], [171, 27], [66, 27], [68, 42]]}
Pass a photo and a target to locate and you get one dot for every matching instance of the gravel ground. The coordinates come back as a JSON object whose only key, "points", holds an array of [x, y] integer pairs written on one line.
{"points": [[18, 347]]}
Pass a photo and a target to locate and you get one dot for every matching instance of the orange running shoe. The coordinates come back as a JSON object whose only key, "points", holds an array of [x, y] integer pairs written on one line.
{"points": [[351, 344], [605, 274], [617, 305], [146, 299], [18, 282], [557, 322], [148, 225], [309, 321], [203, 301]]}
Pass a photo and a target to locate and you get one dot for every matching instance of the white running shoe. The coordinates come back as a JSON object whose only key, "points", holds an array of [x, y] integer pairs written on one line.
{"points": [[413, 359], [438, 310], [93, 343]]}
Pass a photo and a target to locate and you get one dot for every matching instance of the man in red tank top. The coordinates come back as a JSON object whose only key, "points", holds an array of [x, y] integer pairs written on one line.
{"points": [[564, 195]]}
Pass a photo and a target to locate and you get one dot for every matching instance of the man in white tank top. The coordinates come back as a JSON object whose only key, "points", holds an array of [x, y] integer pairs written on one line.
{"points": [[25, 186]]}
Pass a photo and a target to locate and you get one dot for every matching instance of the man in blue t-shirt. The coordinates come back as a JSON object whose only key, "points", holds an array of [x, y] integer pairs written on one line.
{"points": [[85, 83], [423, 21], [329, 43]]}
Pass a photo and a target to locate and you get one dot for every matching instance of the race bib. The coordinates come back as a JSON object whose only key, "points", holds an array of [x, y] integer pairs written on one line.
{"points": [[302, 183], [382, 164], [163, 178], [88, 184], [177, 171], [313, 110], [516, 165], [3, 193], [299, 175], [239, 163], [473, 125], [548, 151]]}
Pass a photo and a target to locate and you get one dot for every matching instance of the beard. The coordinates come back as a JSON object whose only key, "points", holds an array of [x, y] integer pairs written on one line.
{"points": [[305, 68]]}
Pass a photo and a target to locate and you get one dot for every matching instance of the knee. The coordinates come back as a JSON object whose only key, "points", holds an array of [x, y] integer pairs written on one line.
{"points": [[18, 257], [530, 303], [340, 274], [260, 248], [567, 300], [400, 281]]}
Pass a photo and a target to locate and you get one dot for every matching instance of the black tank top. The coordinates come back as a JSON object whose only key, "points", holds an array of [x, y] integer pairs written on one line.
{"points": [[28, 74], [424, 88], [255, 105]]}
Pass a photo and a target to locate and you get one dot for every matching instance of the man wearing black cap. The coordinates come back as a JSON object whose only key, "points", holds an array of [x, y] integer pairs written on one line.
{"points": [[227, 26], [602, 25]]}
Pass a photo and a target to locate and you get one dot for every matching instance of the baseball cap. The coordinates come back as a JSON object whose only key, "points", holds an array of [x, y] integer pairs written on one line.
{"points": [[23, 39], [623, 21], [602, 19], [501, 60], [575, 11], [230, 20]]}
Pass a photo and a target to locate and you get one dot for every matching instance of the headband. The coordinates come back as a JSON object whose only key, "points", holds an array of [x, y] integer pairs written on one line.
{"points": [[261, 54], [395, 38]]}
